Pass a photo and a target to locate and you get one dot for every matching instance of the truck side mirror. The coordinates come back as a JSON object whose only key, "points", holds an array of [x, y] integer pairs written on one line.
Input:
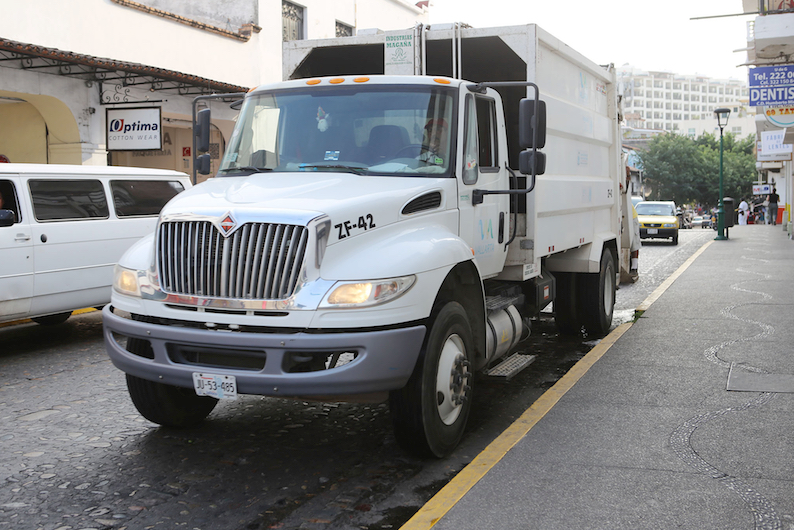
{"points": [[203, 130], [532, 163], [203, 164], [528, 122]]}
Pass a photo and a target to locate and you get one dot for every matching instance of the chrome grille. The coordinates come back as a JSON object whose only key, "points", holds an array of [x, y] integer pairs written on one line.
{"points": [[259, 261]]}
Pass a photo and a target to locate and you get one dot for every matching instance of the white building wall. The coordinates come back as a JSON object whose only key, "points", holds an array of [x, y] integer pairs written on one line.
{"points": [[71, 108], [105, 29]]}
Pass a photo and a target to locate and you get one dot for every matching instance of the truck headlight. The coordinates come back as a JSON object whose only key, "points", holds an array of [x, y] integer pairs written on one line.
{"points": [[362, 294], [125, 281]]}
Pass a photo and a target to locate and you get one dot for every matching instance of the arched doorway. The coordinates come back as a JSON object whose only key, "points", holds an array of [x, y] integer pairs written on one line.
{"points": [[38, 130]]}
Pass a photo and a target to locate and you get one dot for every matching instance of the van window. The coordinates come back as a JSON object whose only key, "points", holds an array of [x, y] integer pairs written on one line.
{"points": [[8, 198], [62, 199], [141, 197]]}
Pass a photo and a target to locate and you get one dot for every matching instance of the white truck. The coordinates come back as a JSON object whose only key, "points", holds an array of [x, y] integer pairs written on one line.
{"points": [[366, 238]]}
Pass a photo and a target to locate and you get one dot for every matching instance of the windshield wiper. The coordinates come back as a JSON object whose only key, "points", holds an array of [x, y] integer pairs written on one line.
{"points": [[245, 169], [352, 169]]}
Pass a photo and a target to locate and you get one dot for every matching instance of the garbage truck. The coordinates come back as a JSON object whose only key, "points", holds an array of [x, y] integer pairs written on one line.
{"points": [[384, 226]]}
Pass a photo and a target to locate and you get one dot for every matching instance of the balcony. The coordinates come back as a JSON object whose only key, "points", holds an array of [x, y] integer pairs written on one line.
{"points": [[770, 37]]}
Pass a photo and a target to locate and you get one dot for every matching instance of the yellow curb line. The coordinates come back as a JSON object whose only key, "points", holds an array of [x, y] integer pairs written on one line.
{"points": [[443, 501]]}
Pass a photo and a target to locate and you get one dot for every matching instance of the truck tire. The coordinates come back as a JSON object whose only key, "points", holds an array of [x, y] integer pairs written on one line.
{"points": [[52, 320], [598, 301], [170, 406], [566, 313], [430, 413]]}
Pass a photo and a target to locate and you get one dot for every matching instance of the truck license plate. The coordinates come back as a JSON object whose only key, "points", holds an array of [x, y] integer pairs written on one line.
{"points": [[215, 385], [653, 230]]}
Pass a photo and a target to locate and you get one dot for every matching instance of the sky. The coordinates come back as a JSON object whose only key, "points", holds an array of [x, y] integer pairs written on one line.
{"points": [[644, 34]]}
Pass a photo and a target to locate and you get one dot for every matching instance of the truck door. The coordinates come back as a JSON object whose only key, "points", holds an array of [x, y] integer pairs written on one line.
{"points": [[484, 226], [16, 251]]}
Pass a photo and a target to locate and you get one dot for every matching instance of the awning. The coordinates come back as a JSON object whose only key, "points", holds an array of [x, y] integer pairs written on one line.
{"points": [[112, 76]]}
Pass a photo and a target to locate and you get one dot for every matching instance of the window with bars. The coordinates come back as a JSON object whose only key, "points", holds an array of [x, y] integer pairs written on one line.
{"points": [[292, 16], [343, 30]]}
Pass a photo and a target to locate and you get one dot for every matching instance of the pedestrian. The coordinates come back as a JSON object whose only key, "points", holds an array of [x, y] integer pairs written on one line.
{"points": [[744, 209], [772, 208]]}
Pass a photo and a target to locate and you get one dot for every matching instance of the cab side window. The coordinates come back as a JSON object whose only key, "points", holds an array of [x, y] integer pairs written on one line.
{"points": [[142, 198], [8, 199], [486, 133], [63, 199]]}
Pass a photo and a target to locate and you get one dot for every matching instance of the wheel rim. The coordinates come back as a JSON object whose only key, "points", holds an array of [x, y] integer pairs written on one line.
{"points": [[609, 291], [452, 379]]}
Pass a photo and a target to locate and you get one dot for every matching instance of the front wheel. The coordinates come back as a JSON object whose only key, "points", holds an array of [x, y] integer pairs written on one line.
{"points": [[430, 413], [170, 406]]}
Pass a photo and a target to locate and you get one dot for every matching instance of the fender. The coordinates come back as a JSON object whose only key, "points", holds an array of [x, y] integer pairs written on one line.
{"points": [[140, 256], [409, 246]]}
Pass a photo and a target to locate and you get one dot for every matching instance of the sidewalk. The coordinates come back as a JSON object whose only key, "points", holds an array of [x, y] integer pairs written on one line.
{"points": [[684, 419]]}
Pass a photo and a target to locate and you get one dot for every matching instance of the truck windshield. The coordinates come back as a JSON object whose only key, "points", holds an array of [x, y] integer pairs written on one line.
{"points": [[370, 130]]}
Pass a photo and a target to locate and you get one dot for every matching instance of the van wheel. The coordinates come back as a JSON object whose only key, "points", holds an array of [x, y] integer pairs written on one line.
{"points": [[170, 406], [598, 300], [566, 314], [52, 320], [430, 413]]}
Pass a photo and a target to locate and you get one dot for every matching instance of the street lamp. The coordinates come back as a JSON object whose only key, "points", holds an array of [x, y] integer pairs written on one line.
{"points": [[722, 120]]}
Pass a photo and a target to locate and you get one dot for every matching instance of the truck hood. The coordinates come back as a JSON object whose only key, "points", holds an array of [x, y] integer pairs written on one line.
{"points": [[355, 202]]}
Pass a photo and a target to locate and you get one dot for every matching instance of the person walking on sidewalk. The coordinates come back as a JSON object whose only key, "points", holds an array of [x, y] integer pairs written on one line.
{"points": [[744, 209], [772, 208]]}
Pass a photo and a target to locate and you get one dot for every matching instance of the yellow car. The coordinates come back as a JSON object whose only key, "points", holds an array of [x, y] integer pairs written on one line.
{"points": [[658, 220]]}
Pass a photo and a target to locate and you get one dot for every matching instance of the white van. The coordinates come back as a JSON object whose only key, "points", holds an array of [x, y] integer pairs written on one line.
{"points": [[63, 228]]}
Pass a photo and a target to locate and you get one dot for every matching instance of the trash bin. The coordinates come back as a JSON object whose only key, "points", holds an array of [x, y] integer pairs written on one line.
{"points": [[729, 204]]}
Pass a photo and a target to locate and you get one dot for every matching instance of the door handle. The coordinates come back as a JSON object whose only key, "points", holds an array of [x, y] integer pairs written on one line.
{"points": [[22, 237]]}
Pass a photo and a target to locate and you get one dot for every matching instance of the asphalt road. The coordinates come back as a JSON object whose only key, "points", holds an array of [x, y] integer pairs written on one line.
{"points": [[75, 454]]}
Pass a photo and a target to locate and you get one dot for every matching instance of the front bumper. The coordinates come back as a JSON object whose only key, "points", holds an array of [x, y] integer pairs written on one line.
{"points": [[661, 233], [384, 359]]}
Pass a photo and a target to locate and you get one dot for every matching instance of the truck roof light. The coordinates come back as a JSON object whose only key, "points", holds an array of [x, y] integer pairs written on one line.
{"points": [[313, 82], [337, 80], [442, 81], [361, 79]]}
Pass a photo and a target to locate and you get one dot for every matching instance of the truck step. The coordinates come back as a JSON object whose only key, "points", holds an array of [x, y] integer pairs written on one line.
{"points": [[508, 368]]}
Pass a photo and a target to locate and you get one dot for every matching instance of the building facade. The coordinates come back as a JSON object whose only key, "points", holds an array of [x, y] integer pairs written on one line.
{"points": [[67, 69], [770, 43], [664, 101]]}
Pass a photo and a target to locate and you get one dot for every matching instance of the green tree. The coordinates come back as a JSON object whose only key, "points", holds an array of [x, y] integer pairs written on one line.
{"points": [[686, 170]]}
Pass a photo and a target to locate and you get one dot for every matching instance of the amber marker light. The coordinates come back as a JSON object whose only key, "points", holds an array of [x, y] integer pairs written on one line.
{"points": [[442, 81], [361, 79], [337, 80], [313, 82]]}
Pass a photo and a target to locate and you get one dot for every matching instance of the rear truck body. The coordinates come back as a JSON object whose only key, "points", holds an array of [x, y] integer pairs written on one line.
{"points": [[382, 237]]}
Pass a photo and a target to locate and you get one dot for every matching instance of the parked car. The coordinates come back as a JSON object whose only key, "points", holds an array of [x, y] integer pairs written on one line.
{"points": [[64, 227], [658, 220], [703, 221]]}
